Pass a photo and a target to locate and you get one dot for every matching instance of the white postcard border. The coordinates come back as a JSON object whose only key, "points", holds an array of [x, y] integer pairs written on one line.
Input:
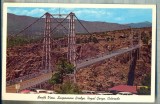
{"points": [[108, 98]]}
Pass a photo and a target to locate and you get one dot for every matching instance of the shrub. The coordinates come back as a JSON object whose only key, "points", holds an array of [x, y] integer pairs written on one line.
{"points": [[95, 40], [69, 88], [144, 91]]}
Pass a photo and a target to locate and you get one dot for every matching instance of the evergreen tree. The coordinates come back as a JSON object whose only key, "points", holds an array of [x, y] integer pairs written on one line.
{"points": [[64, 68]]}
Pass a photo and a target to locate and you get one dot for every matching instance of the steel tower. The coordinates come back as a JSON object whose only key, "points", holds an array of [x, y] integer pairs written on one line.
{"points": [[46, 59]]}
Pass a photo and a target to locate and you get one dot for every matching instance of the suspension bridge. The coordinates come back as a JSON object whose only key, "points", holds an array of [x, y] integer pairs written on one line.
{"points": [[66, 26]]}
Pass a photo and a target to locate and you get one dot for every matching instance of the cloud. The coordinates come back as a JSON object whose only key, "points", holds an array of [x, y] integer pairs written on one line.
{"points": [[28, 12], [92, 12], [117, 15], [80, 12], [17, 11], [37, 12]]}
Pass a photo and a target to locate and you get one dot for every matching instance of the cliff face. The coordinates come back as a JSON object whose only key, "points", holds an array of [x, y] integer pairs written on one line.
{"points": [[103, 75], [26, 59], [116, 71]]}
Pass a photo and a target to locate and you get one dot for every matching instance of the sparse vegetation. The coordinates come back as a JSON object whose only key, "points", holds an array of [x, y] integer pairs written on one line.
{"points": [[144, 91], [20, 41], [95, 40], [146, 37], [145, 40], [87, 40], [108, 39], [145, 82], [69, 88], [78, 41]]}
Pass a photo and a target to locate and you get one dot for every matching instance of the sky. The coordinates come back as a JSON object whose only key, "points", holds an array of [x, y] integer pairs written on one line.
{"points": [[113, 15]]}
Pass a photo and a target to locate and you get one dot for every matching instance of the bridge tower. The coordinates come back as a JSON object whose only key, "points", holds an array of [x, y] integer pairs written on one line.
{"points": [[71, 40], [46, 58]]}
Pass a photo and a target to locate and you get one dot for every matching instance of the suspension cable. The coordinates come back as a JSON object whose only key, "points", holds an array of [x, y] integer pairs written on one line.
{"points": [[60, 23], [29, 25], [85, 28], [56, 27], [82, 25]]}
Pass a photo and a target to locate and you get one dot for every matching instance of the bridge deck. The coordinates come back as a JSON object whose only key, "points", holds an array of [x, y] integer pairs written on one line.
{"points": [[29, 83], [91, 61]]}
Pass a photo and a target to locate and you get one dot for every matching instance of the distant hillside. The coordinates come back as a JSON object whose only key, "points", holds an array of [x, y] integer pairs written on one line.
{"points": [[16, 23], [140, 25]]}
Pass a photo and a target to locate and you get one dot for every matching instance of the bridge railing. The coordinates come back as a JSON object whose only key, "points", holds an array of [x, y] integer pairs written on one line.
{"points": [[106, 53], [23, 78], [16, 80], [97, 56]]}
